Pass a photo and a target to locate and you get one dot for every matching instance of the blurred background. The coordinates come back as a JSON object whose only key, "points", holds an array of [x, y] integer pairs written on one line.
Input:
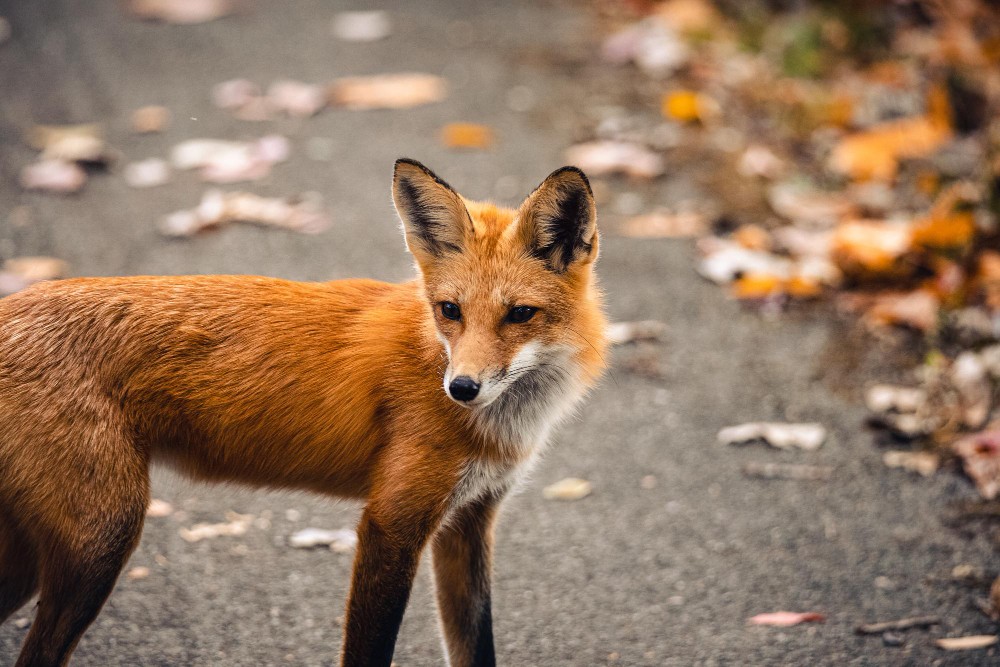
{"points": [[798, 205]]}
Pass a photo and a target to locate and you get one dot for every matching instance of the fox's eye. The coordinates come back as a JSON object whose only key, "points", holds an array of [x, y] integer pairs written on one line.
{"points": [[451, 310], [521, 314]]}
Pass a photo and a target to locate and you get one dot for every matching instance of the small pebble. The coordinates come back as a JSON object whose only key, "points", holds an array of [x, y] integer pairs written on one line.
{"points": [[892, 639]]}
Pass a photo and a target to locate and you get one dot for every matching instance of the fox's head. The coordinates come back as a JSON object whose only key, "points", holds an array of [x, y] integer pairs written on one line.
{"points": [[511, 291]]}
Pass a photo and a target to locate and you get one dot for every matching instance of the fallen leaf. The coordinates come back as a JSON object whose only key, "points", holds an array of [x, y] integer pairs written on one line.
{"points": [[753, 237], [235, 525], [223, 161], [923, 463], [295, 98], [340, 541], [686, 106], [663, 224], [146, 173], [777, 434], [181, 12], [724, 261], [692, 17], [892, 398], [598, 158], [901, 624], [917, 309], [875, 153], [387, 91], [70, 143], [159, 508], [871, 248], [20, 272], [806, 205], [361, 26], [790, 471], [759, 160], [620, 333], [570, 488], [980, 454], [954, 230], [784, 619], [235, 94], [652, 45], [303, 213], [53, 176], [966, 643], [150, 119], [970, 378], [138, 572], [466, 135]]}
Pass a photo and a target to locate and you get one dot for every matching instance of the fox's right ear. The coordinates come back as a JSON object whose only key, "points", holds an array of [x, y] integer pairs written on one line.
{"points": [[434, 217]]}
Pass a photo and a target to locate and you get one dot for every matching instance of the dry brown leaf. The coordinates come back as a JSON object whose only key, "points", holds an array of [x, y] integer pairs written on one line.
{"points": [[954, 230], [966, 643], [663, 224], [235, 525], [387, 91], [620, 333], [181, 12], [598, 158], [875, 154], [361, 26], [808, 436], [871, 248], [159, 508], [784, 619], [917, 309], [303, 213], [70, 143], [753, 237], [980, 454], [150, 119], [56, 176], [295, 98], [688, 16], [923, 463], [36, 268], [570, 488], [146, 173], [467, 135], [806, 205]]}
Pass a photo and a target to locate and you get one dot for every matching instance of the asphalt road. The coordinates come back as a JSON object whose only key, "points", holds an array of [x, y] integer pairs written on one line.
{"points": [[630, 575]]}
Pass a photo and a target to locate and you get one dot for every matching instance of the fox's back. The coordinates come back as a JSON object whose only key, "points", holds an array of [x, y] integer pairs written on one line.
{"points": [[198, 367]]}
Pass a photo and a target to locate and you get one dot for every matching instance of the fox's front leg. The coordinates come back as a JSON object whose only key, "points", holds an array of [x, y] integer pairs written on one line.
{"points": [[391, 535], [463, 564]]}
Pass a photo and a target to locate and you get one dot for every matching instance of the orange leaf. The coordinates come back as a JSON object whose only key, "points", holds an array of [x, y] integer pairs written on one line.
{"points": [[682, 105], [757, 286], [466, 135], [954, 230]]}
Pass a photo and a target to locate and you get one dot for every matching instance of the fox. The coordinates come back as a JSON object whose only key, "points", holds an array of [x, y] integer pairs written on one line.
{"points": [[428, 400]]}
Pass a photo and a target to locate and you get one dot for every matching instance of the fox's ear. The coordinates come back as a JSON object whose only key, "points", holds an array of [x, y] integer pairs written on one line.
{"points": [[434, 217], [558, 221]]}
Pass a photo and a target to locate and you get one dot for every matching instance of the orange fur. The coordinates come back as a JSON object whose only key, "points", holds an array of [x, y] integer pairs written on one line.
{"points": [[331, 387]]}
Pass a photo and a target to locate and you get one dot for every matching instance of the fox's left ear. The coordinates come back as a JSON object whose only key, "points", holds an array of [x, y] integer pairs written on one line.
{"points": [[558, 221]]}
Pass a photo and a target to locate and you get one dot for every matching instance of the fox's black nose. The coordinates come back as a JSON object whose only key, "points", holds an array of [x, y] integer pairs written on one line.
{"points": [[463, 388]]}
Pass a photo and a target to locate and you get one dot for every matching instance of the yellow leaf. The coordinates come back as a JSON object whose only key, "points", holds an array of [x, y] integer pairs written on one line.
{"points": [[682, 105]]}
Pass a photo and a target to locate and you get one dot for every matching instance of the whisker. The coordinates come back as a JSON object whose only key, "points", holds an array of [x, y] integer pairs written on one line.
{"points": [[605, 361]]}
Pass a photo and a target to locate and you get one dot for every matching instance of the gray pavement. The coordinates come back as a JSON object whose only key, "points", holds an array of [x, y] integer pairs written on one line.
{"points": [[629, 575]]}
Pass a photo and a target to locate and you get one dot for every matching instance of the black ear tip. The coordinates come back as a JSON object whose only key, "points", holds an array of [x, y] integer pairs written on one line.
{"points": [[410, 162], [576, 171]]}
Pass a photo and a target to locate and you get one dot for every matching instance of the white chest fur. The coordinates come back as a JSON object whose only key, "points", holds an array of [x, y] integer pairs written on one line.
{"points": [[520, 421]]}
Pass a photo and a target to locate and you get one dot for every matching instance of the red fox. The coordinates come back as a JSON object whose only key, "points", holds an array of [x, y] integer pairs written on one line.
{"points": [[426, 399]]}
